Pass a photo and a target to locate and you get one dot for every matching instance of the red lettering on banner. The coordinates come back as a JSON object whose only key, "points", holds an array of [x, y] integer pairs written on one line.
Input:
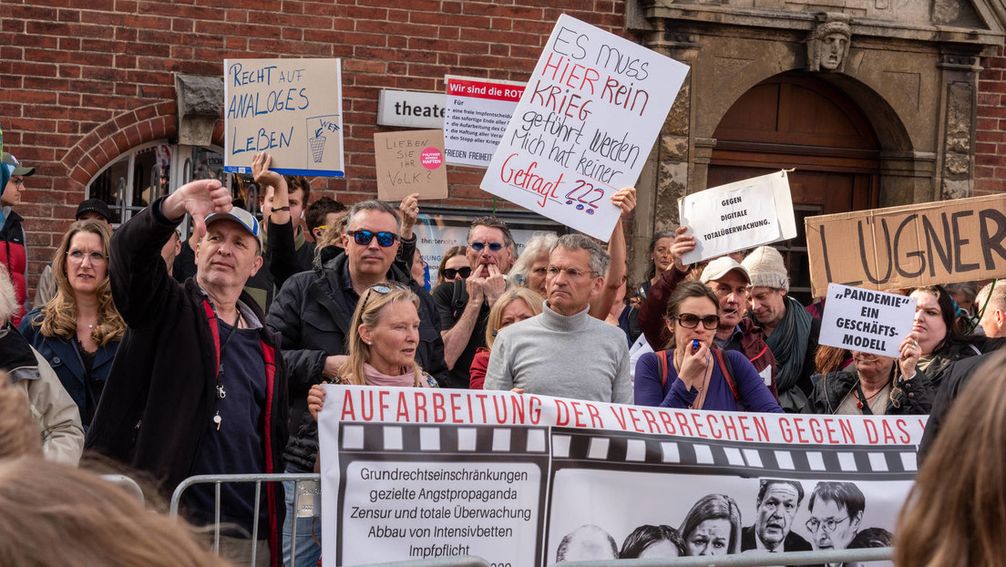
{"points": [[561, 414], [534, 406], [421, 414], [651, 421], [902, 427], [683, 424], [482, 402], [367, 408], [595, 416], [499, 405], [784, 428], [922, 424], [439, 412], [847, 431], [402, 412], [517, 406], [383, 401], [665, 417], [730, 427], [456, 408], [577, 414], [872, 436], [714, 426], [698, 424], [348, 413], [761, 428], [635, 420]]}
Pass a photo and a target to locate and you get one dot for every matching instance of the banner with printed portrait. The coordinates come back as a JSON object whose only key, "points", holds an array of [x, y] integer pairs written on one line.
{"points": [[533, 480]]}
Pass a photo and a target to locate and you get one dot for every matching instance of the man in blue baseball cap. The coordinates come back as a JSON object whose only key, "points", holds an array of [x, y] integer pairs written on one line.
{"points": [[14, 255], [198, 386]]}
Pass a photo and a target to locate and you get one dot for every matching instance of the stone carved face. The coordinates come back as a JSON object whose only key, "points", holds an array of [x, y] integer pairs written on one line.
{"points": [[832, 50]]}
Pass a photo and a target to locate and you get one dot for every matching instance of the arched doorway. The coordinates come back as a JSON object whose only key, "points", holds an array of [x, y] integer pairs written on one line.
{"points": [[797, 121]]}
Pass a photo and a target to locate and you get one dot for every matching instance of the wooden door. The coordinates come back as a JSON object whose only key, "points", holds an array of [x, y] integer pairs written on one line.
{"points": [[800, 122]]}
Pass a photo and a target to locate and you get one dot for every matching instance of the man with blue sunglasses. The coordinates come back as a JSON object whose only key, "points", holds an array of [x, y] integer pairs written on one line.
{"points": [[463, 305], [313, 312]]}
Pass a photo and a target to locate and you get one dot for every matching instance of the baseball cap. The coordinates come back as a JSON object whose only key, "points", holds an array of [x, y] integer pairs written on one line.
{"points": [[720, 267], [15, 167], [94, 206], [243, 218]]}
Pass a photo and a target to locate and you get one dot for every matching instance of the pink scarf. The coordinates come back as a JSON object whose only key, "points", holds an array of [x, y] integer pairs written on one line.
{"points": [[376, 378]]}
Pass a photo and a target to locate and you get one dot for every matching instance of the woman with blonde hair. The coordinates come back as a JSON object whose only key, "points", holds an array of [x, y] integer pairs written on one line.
{"points": [[79, 330], [959, 521], [383, 338], [56, 515], [513, 306]]}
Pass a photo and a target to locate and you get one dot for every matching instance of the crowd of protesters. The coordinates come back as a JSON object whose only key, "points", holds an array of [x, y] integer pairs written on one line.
{"points": [[205, 355]]}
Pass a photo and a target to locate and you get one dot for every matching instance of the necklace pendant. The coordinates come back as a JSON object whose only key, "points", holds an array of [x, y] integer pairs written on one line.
{"points": [[221, 392], [218, 420]]}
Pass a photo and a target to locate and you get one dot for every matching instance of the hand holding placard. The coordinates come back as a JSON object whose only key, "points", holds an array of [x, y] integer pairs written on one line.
{"points": [[910, 353], [684, 244]]}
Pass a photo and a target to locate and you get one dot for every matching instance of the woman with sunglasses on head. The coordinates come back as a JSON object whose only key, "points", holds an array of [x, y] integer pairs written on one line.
{"points": [[79, 330], [383, 337], [692, 373]]}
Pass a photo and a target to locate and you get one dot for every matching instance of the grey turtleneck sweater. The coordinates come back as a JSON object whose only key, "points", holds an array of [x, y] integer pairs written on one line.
{"points": [[577, 357]]}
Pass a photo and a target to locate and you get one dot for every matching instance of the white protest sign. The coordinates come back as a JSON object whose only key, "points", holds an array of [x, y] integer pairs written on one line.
{"points": [[738, 215], [584, 126], [422, 473], [864, 320], [291, 108], [477, 112]]}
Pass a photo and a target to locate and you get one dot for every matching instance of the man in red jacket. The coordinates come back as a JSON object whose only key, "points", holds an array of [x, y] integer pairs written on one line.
{"points": [[13, 250]]}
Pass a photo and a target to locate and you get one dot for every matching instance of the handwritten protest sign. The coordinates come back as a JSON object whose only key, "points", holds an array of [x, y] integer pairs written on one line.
{"points": [[908, 246], [410, 162], [584, 126], [477, 113], [738, 215], [291, 108], [420, 473], [864, 320]]}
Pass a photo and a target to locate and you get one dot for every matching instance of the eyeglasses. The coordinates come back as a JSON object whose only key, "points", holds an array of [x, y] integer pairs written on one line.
{"points": [[77, 256], [691, 321], [451, 273], [379, 289], [493, 246], [364, 237], [829, 524], [571, 273]]}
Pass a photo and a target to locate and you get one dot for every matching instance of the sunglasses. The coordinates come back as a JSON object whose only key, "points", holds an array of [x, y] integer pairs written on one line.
{"points": [[364, 237], [480, 246], [690, 321], [379, 289], [451, 273]]}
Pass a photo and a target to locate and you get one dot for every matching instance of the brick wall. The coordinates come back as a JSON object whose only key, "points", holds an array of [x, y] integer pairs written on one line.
{"points": [[83, 82], [990, 146]]}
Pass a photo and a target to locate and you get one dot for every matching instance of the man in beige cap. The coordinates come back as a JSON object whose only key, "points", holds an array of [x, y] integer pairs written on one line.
{"points": [[790, 332], [729, 280]]}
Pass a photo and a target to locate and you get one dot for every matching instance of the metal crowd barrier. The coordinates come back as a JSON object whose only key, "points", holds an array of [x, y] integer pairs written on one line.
{"points": [[258, 479], [753, 559], [126, 483]]}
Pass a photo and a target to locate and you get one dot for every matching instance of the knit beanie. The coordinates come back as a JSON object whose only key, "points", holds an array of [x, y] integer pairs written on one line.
{"points": [[766, 268]]}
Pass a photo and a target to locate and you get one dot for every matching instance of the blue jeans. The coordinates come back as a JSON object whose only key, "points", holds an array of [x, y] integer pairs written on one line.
{"points": [[308, 529]]}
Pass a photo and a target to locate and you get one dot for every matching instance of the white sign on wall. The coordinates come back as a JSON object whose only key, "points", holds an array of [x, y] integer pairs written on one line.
{"points": [[478, 111], [410, 109]]}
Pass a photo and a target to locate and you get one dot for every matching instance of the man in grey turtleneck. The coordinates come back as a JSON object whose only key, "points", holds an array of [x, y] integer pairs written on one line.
{"points": [[565, 352]]}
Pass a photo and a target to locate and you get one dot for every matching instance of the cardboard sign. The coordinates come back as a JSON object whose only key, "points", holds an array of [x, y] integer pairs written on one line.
{"points": [[864, 320], [584, 126], [422, 473], [738, 215], [410, 162], [478, 111], [908, 246], [291, 108]]}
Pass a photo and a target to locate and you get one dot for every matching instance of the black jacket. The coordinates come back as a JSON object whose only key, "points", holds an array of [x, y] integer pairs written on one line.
{"points": [[160, 394], [312, 314], [958, 375], [793, 541], [831, 389]]}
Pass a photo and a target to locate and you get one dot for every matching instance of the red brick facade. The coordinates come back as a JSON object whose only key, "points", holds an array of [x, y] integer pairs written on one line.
{"points": [[990, 148], [83, 82]]}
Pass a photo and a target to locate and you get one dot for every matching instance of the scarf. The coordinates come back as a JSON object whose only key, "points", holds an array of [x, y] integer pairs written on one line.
{"points": [[788, 342], [376, 378]]}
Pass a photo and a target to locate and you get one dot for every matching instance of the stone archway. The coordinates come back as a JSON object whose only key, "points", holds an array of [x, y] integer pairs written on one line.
{"points": [[911, 68]]}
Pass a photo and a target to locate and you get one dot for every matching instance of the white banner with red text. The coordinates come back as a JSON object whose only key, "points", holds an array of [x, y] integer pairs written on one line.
{"points": [[526, 480]]}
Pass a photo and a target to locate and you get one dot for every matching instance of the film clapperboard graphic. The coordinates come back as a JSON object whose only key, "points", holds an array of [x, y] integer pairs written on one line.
{"points": [[511, 493]]}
